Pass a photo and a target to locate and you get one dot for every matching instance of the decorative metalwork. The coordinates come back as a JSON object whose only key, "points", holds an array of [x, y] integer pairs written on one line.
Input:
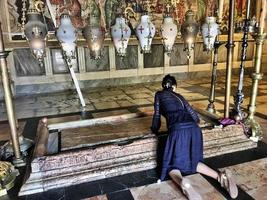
{"points": [[189, 30], [252, 126], [239, 96], [23, 17], [210, 30], [120, 33], [18, 160], [168, 31], [36, 31], [211, 106], [7, 176], [145, 31], [94, 34], [230, 51], [67, 36]]}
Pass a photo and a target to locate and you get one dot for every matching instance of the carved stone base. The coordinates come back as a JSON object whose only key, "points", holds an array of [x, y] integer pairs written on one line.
{"points": [[115, 157]]}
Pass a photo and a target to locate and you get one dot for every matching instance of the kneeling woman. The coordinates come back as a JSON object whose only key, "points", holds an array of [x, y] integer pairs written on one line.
{"points": [[183, 153]]}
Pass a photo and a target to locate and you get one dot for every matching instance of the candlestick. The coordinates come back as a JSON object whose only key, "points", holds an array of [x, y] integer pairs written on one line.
{"points": [[253, 127], [220, 10], [262, 16]]}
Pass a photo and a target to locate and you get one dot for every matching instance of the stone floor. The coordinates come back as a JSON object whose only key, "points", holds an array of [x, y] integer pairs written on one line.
{"points": [[249, 166], [123, 97]]}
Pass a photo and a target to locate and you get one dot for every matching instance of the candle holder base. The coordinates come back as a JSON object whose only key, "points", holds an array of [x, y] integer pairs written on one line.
{"points": [[19, 162], [24, 144], [253, 129], [211, 108]]}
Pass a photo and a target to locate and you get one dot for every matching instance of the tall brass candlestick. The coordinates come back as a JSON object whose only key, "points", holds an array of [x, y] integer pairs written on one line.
{"points": [[254, 127], [18, 161], [230, 49]]}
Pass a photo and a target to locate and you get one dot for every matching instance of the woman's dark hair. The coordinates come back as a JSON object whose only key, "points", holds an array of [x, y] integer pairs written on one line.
{"points": [[168, 81]]}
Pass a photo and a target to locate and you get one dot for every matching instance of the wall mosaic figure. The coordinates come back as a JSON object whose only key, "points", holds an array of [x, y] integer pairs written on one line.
{"points": [[79, 11], [74, 9], [111, 7], [13, 15]]}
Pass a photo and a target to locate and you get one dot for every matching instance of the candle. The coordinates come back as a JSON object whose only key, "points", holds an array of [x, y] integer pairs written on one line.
{"points": [[262, 16], [220, 10]]}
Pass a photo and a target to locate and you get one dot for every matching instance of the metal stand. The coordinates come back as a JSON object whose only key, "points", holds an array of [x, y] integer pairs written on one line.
{"points": [[68, 61], [76, 83], [230, 50], [250, 123], [18, 160], [239, 96], [211, 106]]}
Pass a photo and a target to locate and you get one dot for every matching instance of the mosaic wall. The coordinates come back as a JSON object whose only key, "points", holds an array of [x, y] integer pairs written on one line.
{"points": [[106, 10]]}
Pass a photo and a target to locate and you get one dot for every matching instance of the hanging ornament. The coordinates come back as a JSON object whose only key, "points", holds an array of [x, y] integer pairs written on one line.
{"points": [[35, 32], [120, 33], [145, 32], [94, 34], [168, 31], [210, 29], [67, 36], [189, 30]]}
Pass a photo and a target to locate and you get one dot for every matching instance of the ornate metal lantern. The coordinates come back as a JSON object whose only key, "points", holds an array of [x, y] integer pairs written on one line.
{"points": [[145, 32], [120, 33], [35, 32], [210, 29], [168, 32], [189, 30], [67, 36], [94, 34]]}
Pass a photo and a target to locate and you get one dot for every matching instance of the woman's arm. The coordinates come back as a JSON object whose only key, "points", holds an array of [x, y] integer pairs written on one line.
{"points": [[190, 110], [156, 117]]}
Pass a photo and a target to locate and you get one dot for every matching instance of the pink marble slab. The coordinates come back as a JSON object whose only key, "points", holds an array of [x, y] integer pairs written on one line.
{"points": [[101, 197], [168, 190], [252, 177]]}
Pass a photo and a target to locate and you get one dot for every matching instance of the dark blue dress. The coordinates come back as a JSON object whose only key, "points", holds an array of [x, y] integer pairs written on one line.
{"points": [[184, 146]]}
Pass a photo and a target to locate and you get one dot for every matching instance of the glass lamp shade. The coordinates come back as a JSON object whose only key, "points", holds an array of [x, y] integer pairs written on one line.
{"points": [[252, 25], [67, 36], [35, 32], [145, 31], [94, 34], [189, 30], [169, 33], [120, 33], [210, 29]]}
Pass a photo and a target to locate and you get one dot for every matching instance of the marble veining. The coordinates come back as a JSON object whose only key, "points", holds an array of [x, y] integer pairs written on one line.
{"points": [[130, 61], [155, 58], [26, 64], [201, 57], [59, 64], [178, 55], [101, 64], [252, 177]]}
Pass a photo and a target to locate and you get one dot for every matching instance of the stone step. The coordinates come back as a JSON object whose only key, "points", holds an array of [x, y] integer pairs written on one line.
{"points": [[168, 190], [131, 149]]}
